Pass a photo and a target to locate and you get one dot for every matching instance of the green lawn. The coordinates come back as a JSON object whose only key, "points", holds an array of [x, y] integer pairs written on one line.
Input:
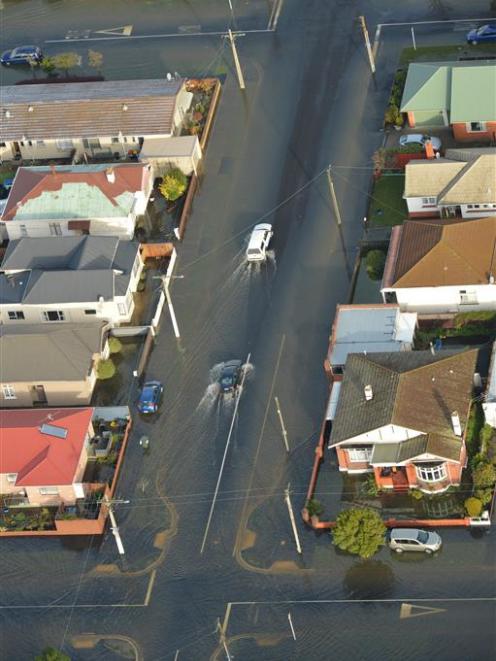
{"points": [[442, 53], [387, 206]]}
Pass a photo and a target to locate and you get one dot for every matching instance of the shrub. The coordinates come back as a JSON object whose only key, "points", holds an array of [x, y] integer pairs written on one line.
{"points": [[359, 531], [115, 345], [173, 185], [375, 262], [485, 438], [314, 507], [392, 115], [106, 369], [66, 61], [473, 506], [52, 654], [48, 65], [484, 475], [484, 495], [417, 494]]}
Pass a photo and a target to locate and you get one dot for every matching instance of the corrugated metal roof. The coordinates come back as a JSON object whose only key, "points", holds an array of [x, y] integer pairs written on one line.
{"points": [[428, 178], [86, 110], [475, 183], [54, 352], [427, 87], [473, 94], [183, 145]]}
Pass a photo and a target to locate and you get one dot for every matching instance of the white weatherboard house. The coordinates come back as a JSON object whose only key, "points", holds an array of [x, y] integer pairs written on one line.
{"points": [[99, 119], [442, 266], [463, 185], [76, 279], [71, 200], [489, 404]]}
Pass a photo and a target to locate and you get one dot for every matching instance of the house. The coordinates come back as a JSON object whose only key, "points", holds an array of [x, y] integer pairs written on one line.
{"points": [[457, 94], [52, 365], [74, 279], [183, 152], [71, 200], [98, 119], [441, 266], [489, 403], [446, 187], [402, 416], [44, 452], [366, 329]]}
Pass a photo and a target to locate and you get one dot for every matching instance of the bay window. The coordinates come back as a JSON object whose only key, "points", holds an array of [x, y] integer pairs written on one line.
{"points": [[362, 454], [432, 473]]}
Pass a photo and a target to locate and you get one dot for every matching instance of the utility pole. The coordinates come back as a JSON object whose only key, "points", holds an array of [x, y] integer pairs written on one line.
{"points": [[291, 625], [292, 519], [367, 43], [222, 635], [165, 284], [114, 527], [283, 428], [274, 16], [413, 40], [232, 39], [333, 196]]}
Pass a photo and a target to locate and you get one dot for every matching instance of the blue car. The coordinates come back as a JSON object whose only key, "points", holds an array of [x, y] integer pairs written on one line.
{"points": [[21, 55], [230, 377], [486, 33], [150, 397]]}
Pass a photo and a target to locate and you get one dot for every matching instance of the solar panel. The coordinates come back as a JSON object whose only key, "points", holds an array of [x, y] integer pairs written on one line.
{"points": [[52, 430]]}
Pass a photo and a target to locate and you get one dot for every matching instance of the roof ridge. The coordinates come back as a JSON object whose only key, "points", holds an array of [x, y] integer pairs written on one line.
{"points": [[428, 80], [419, 261], [458, 177]]}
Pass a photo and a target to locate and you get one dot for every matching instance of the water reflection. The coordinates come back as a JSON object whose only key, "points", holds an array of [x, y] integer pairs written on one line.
{"points": [[369, 579]]}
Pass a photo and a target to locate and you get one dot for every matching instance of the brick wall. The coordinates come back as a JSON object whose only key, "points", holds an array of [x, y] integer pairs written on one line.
{"points": [[460, 132]]}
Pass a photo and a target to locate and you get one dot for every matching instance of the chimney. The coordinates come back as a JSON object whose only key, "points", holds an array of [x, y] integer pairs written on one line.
{"points": [[455, 421], [368, 392], [109, 172]]}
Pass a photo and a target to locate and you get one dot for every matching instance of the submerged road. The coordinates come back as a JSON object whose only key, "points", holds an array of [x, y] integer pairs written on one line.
{"points": [[309, 101]]}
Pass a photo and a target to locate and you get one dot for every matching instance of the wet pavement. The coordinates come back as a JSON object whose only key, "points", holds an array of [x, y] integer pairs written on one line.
{"points": [[309, 101]]}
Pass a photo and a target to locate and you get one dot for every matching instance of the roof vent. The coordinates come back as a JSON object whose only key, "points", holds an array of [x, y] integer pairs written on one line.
{"points": [[110, 174], [124, 107], [455, 421], [53, 430], [8, 114], [30, 108], [368, 392], [491, 279]]}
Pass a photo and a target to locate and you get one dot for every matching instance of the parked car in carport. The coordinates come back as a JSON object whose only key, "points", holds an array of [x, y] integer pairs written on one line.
{"points": [[484, 34], [420, 139]]}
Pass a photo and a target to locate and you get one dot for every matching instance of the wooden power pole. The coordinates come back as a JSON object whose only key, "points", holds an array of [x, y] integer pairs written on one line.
{"points": [[239, 72], [367, 43]]}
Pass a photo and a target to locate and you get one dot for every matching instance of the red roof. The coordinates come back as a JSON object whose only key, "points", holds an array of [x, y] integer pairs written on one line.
{"points": [[30, 183], [42, 459]]}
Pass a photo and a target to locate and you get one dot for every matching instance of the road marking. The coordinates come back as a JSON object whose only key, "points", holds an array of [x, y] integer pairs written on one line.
{"points": [[212, 507], [259, 445], [123, 31], [406, 611], [161, 36], [151, 583]]}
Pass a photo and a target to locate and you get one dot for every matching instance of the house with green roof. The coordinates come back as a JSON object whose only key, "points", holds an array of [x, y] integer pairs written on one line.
{"points": [[457, 94]]}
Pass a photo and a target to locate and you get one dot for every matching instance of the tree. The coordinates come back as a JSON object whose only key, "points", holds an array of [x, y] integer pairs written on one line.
{"points": [[359, 531], [66, 61], [48, 65], [473, 506], [173, 184], [106, 369], [314, 507], [95, 60], [375, 262], [484, 475], [115, 345], [52, 654]]}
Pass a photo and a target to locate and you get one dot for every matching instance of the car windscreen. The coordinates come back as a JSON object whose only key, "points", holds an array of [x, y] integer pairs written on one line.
{"points": [[423, 537]]}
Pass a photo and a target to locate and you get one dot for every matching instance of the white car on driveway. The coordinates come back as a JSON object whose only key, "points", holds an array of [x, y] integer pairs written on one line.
{"points": [[420, 139], [259, 242]]}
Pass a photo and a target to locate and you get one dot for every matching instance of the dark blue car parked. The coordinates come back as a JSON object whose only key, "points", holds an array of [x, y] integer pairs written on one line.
{"points": [[486, 33], [21, 55], [150, 397]]}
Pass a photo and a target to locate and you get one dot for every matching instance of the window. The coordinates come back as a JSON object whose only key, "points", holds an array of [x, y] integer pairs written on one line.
{"points": [[11, 477], [90, 312], [8, 391], [468, 297], [30, 143], [23, 230], [431, 473], [476, 127], [55, 229], [53, 315], [64, 144], [15, 316], [2, 144], [359, 454], [114, 140], [122, 309], [48, 491], [428, 200], [40, 143]]}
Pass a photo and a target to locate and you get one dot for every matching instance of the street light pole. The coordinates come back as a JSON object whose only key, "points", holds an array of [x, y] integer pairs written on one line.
{"points": [[367, 43], [114, 527], [239, 72], [281, 420], [292, 519], [333, 196]]}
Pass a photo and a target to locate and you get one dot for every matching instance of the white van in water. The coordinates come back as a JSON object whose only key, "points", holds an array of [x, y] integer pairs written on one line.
{"points": [[413, 539], [259, 242]]}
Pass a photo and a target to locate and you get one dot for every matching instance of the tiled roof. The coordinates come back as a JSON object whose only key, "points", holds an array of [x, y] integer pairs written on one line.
{"points": [[74, 192], [88, 110], [475, 183], [439, 252], [427, 178], [41, 459], [412, 389], [437, 445]]}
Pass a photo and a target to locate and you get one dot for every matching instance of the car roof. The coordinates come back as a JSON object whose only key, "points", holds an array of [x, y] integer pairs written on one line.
{"points": [[405, 533], [23, 49], [232, 363]]}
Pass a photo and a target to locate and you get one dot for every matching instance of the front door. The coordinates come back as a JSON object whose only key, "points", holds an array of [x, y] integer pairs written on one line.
{"points": [[16, 149], [39, 396]]}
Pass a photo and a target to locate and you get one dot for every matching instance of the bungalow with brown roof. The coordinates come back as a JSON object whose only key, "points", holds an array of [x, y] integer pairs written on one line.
{"points": [[442, 266], [402, 417]]}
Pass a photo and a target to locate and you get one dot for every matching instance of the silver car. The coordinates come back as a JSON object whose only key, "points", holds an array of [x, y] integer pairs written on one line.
{"points": [[420, 139], [259, 242], [413, 539]]}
